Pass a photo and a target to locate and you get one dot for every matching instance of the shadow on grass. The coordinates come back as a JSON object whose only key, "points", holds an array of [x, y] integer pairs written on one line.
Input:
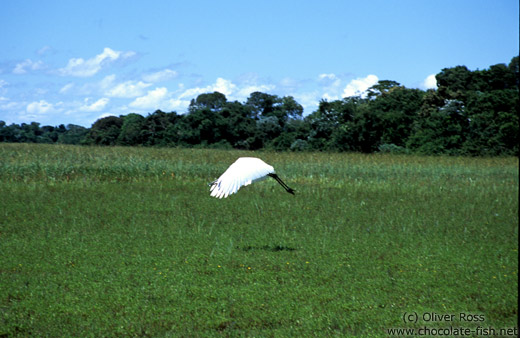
{"points": [[267, 248]]}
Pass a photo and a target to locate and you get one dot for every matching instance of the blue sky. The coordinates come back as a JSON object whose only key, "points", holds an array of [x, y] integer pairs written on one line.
{"points": [[76, 61]]}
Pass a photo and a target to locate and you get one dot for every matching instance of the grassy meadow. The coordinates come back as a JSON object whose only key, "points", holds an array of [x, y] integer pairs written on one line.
{"points": [[124, 242]]}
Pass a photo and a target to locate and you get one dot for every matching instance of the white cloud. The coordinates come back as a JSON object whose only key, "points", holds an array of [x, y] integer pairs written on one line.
{"points": [[329, 79], [66, 88], [249, 83], [430, 82], [288, 82], [245, 92], [178, 105], [85, 68], [8, 105], [308, 100], [329, 76], [291, 86], [39, 108], [192, 92], [22, 67], [154, 99], [127, 89], [223, 86], [45, 112], [94, 107], [160, 98], [162, 75], [40, 111], [330, 97], [107, 81], [359, 86], [108, 86], [331, 86], [3, 86], [44, 50]]}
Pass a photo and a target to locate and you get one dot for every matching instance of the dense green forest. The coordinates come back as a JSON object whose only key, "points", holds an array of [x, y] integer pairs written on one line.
{"points": [[470, 113]]}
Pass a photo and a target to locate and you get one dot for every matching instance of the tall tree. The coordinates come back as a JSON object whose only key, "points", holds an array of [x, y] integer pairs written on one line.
{"points": [[132, 130], [213, 101], [105, 131], [453, 83], [73, 134], [262, 104]]}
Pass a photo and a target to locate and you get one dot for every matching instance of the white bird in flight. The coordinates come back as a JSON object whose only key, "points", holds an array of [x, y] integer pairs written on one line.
{"points": [[244, 171]]}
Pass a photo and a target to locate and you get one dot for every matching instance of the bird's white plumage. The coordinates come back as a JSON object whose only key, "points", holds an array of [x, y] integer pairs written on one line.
{"points": [[244, 171]]}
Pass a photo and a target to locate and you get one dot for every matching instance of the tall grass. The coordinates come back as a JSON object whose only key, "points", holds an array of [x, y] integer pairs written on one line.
{"points": [[127, 242]]}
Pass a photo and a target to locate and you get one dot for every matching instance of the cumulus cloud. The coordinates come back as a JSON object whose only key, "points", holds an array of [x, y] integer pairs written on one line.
{"points": [[163, 75], [108, 86], [430, 82], [359, 86], [39, 111], [308, 100], [329, 76], [128, 89], [330, 97], [179, 100], [95, 106], [6, 105], [244, 92], [178, 104], [329, 79], [152, 100], [45, 112], [84, 68], [223, 86], [161, 98], [331, 86], [249, 83], [107, 82], [28, 64], [39, 108]]}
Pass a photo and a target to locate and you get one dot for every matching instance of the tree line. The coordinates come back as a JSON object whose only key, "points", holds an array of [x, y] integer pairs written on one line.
{"points": [[470, 113]]}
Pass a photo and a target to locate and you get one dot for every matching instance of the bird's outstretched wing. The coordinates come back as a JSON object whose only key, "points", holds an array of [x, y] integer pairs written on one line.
{"points": [[243, 172]]}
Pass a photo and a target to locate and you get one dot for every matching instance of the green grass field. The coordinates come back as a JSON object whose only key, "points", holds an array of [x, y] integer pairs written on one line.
{"points": [[127, 242]]}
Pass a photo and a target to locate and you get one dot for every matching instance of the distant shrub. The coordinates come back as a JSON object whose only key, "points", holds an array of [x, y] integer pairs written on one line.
{"points": [[300, 145], [390, 148]]}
